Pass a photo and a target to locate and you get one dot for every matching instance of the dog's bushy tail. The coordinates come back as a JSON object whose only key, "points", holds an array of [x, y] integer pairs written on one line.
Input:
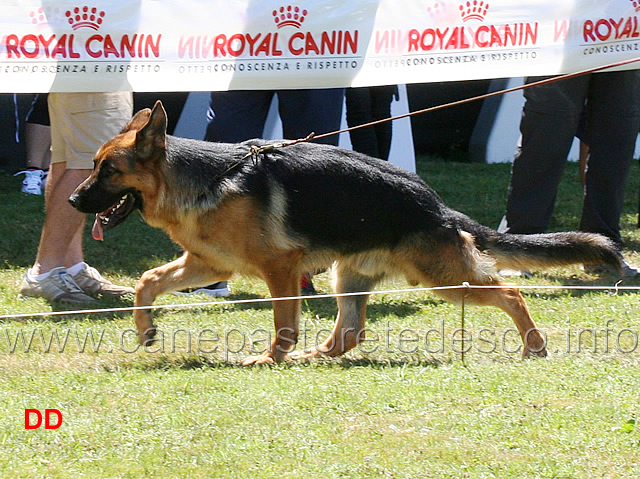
{"points": [[524, 252], [530, 251]]}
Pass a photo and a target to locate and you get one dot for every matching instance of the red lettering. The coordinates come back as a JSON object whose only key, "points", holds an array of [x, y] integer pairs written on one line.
{"points": [[382, 40], [72, 54], [463, 39], [351, 41], [587, 31], [92, 53], [12, 43], [252, 42], [219, 44], [412, 38], [311, 45], [495, 37], [60, 48], [46, 43], [616, 26], [47, 417], [274, 48], [292, 49], [36, 46], [206, 46], [184, 46], [481, 36], [328, 44], [429, 32], [441, 36], [264, 45], [531, 34], [237, 39], [109, 47], [560, 30], [128, 46], [511, 35], [154, 47], [599, 34], [27, 413]]}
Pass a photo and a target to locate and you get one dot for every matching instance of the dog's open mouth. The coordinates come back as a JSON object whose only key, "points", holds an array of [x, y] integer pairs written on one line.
{"points": [[113, 216]]}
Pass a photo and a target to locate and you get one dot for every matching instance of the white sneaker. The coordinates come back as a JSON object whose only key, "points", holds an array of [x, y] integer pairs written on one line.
{"points": [[91, 281], [58, 286], [34, 181]]}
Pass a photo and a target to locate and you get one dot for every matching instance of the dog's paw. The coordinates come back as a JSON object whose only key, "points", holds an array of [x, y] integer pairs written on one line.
{"points": [[147, 337], [262, 359], [304, 355], [534, 353]]}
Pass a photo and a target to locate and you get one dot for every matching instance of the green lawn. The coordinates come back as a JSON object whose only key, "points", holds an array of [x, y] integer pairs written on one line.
{"points": [[403, 405]]}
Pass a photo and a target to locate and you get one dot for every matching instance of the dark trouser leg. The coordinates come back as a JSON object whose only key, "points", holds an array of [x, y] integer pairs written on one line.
{"points": [[549, 121], [381, 98], [306, 111], [238, 115], [613, 122], [359, 111]]}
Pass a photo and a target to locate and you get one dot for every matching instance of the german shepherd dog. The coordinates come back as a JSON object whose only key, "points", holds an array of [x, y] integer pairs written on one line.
{"points": [[274, 212]]}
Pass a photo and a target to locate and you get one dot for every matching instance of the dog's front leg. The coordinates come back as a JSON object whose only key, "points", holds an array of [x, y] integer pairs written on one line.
{"points": [[283, 282], [184, 272]]}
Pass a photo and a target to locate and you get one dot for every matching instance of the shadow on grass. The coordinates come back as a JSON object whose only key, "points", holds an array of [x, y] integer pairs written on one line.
{"points": [[199, 362], [83, 312], [607, 283], [324, 307]]}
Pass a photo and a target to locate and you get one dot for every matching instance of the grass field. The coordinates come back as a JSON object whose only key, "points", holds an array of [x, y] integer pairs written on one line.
{"points": [[403, 405]]}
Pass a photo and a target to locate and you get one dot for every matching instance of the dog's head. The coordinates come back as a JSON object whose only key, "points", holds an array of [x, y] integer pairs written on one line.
{"points": [[124, 171]]}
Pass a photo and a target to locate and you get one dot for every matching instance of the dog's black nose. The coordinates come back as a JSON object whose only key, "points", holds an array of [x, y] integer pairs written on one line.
{"points": [[73, 200]]}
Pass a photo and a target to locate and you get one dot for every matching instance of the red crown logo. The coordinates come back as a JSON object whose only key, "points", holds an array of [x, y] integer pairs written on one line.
{"points": [[289, 16], [475, 10], [435, 11], [41, 17], [85, 17], [636, 5], [38, 17]]}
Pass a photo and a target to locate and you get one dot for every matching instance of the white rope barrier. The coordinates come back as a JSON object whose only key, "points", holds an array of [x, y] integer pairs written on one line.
{"points": [[465, 286]]}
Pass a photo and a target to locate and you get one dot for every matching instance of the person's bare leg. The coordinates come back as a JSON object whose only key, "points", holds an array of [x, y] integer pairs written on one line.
{"points": [[38, 145], [61, 238]]}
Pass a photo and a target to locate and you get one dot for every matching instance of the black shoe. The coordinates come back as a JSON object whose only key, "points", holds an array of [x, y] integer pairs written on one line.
{"points": [[306, 286], [221, 289]]}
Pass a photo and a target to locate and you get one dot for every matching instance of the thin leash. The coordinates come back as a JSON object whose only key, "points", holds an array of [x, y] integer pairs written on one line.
{"points": [[255, 151]]}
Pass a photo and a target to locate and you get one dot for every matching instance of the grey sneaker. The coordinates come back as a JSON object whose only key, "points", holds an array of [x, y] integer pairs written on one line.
{"points": [[627, 271], [58, 286], [92, 282], [515, 273]]}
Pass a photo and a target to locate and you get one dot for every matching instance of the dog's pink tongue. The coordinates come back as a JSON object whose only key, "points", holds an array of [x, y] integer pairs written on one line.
{"points": [[97, 232]]}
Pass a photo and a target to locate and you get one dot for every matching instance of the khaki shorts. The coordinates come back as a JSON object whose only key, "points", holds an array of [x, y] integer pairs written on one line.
{"points": [[82, 122]]}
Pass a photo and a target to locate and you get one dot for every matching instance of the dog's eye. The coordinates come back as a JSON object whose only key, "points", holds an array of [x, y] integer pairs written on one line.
{"points": [[108, 169]]}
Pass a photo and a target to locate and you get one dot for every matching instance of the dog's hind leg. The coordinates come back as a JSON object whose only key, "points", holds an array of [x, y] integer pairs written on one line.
{"points": [[348, 330], [459, 261], [510, 300], [181, 273]]}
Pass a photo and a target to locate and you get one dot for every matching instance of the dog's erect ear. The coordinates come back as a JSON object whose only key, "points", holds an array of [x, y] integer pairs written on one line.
{"points": [[138, 121], [152, 135]]}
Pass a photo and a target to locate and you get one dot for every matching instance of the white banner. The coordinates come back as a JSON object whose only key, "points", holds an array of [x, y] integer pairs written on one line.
{"points": [[200, 45]]}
